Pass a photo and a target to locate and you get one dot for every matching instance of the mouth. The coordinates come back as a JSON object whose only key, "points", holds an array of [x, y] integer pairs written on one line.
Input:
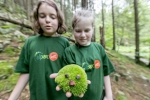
{"points": [[82, 39], [48, 27]]}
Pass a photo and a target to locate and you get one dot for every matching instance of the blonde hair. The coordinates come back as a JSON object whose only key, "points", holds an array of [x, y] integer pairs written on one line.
{"points": [[61, 25], [81, 14]]}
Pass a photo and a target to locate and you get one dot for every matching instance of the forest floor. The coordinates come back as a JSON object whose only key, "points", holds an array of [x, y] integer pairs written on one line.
{"points": [[130, 81]]}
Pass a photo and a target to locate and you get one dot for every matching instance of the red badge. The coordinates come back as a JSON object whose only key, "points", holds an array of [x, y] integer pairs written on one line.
{"points": [[97, 64], [53, 56]]}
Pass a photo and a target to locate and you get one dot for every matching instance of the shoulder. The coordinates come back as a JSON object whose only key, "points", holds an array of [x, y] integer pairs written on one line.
{"points": [[97, 45], [63, 38], [70, 48], [32, 38]]}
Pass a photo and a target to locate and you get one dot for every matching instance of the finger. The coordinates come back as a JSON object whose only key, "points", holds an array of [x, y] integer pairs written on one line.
{"points": [[53, 75], [81, 95], [68, 94], [88, 81], [57, 88]]}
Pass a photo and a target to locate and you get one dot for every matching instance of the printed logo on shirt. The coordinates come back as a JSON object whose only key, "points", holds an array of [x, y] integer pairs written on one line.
{"points": [[97, 64], [88, 67], [40, 56], [53, 56]]}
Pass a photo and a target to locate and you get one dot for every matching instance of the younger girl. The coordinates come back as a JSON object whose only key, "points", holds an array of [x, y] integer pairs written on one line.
{"points": [[90, 56], [41, 55]]}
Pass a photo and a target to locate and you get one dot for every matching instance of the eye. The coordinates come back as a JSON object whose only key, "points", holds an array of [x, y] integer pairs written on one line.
{"points": [[66, 76], [41, 15], [87, 30], [78, 31], [78, 77], [53, 17]]}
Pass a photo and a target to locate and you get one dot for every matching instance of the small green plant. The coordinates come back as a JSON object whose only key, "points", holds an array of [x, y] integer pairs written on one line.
{"points": [[9, 50], [121, 97]]}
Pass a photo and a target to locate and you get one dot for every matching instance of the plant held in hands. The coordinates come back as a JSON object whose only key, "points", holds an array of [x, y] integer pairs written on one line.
{"points": [[72, 79]]}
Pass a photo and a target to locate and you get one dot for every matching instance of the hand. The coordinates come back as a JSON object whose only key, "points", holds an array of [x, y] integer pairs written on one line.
{"points": [[68, 94]]}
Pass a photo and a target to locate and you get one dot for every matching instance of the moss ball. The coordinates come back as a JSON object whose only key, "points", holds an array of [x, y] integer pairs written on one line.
{"points": [[72, 78]]}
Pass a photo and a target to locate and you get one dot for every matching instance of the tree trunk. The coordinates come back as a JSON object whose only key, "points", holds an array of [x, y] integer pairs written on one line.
{"points": [[28, 9], [5, 3], [137, 53], [74, 5], [113, 24], [61, 5], [33, 4], [101, 36], [102, 39], [84, 4]]}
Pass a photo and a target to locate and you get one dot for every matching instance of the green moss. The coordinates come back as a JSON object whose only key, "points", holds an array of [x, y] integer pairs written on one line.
{"points": [[72, 71], [9, 83], [8, 78], [121, 97], [6, 68], [9, 50]]}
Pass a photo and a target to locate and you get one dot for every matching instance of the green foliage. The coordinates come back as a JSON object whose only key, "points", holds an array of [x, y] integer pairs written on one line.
{"points": [[145, 41], [6, 67], [121, 97], [7, 77], [7, 28], [10, 51], [68, 34], [9, 83]]}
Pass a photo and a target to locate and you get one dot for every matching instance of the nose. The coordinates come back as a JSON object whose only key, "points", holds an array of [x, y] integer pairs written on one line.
{"points": [[47, 19], [83, 34]]}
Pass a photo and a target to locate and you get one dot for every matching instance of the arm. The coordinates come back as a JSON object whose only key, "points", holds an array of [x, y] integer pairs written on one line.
{"points": [[108, 90], [22, 81]]}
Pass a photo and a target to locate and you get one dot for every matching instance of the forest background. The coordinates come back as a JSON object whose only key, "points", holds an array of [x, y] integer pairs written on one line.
{"points": [[117, 27]]}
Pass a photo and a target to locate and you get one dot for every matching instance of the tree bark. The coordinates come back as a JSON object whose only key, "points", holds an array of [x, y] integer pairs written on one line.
{"points": [[84, 4], [5, 3], [113, 24], [137, 53], [28, 9], [102, 41]]}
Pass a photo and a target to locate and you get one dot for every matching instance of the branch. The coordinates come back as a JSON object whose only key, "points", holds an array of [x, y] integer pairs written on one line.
{"points": [[15, 22], [26, 26]]}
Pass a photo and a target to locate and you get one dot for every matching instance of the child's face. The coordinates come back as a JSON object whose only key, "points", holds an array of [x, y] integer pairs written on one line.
{"points": [[47, 17], [83, 31]]}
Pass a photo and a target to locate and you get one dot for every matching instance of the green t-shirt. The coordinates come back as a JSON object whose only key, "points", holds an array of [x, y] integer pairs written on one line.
{"points": [[40, 57], [94, 60]]}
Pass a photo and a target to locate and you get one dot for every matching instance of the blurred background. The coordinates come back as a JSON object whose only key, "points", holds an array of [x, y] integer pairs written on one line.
{"points": [[121, 26]]}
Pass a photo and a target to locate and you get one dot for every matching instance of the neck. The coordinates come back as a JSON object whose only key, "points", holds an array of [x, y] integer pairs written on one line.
{"points": [[52, 35]]}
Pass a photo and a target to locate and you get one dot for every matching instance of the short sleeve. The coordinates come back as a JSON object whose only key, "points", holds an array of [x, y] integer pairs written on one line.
{"points": [[23, 62], [68, 57], [107, 64]]}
